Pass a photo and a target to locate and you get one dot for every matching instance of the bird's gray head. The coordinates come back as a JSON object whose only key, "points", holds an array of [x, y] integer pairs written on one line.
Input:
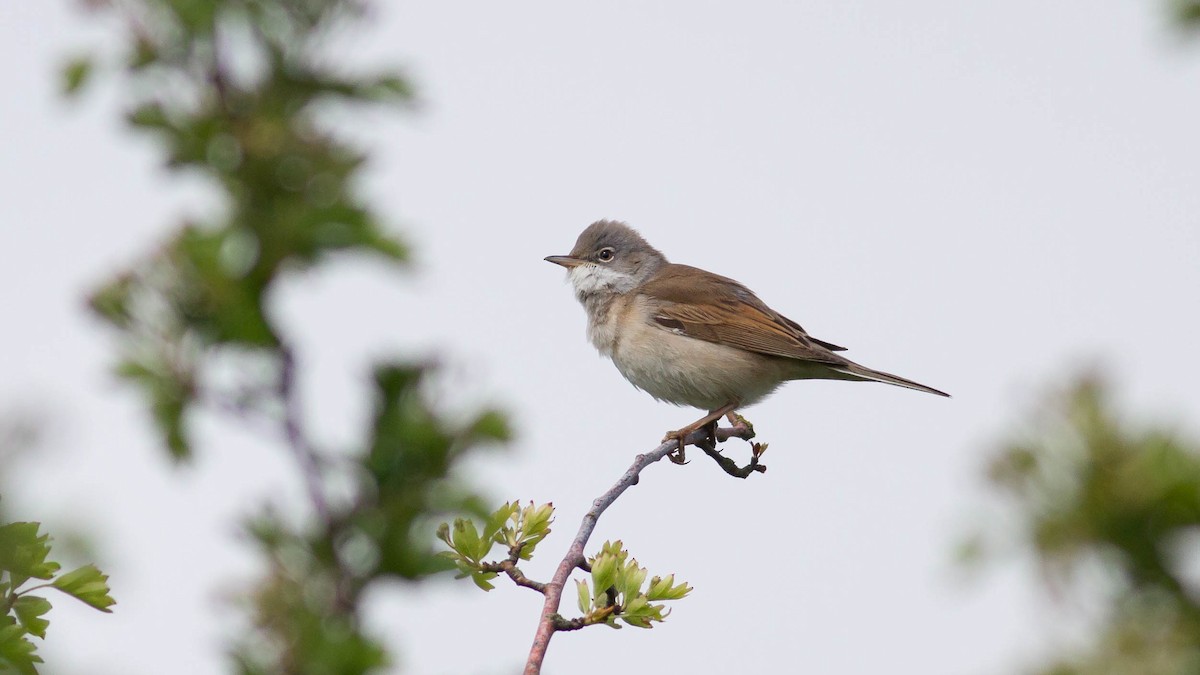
{"points": [[609, 258]]}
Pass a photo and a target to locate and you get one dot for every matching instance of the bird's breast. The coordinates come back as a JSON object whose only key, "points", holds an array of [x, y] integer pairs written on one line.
{"points": [[679, 369], [604, 313]]}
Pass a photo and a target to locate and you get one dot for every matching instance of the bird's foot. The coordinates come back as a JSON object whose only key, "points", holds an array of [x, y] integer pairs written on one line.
{"points": [[677, 456], [680, 437], [708, 423]]}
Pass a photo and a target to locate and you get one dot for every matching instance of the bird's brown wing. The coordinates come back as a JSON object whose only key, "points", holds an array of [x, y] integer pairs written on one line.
{"points": [[716, 309]]}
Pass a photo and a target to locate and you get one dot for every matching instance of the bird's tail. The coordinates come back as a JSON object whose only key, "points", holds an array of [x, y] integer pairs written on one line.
{"points": [[862, 372]]}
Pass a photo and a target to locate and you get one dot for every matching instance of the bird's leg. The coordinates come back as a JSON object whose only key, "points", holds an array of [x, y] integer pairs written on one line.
{"points": [[711, 430], [680, 435], [736, 422]]}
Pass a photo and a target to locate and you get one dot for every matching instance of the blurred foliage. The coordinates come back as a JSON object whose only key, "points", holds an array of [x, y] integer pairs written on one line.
{"points": [[239, 92], [1095, 495], [233, 90], [1187, 13], [24, 553]]}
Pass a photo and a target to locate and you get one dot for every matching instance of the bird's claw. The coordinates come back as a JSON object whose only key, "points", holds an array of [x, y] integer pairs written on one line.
{"points": [[677, 456]]}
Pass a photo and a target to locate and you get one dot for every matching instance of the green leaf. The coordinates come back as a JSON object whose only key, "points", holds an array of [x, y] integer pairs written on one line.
{"points": [[16, 652], [665, 589], [23, 553], [614, 548], [89, 585], [494, 529], [464, 537], [75, 74], [29, 610], [535, 525], [585, 595], [467, 541], [640, 614], [604, 572], [483, 580], [630, 578], [443, 533], [636, 606]]}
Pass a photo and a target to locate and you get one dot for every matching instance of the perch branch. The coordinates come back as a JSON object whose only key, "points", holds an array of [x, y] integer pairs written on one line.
{"points": [[551, 620]]}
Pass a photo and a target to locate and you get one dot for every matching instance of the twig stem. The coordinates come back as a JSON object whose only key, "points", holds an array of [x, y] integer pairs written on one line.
{"points": [[305, 456], [551, 620]]}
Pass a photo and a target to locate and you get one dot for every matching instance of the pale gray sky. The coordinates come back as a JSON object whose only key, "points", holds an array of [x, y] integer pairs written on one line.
{"points": [[979, 196]]}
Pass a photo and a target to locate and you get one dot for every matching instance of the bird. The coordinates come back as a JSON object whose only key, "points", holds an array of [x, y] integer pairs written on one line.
{"points": [[690, 337]]}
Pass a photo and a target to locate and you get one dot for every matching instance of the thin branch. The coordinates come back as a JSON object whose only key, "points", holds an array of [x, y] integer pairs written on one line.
{"points": [[551, 620], [217, 75], [731, 467], [345, 586], [509, 567], [303, 452], [561, 624]]}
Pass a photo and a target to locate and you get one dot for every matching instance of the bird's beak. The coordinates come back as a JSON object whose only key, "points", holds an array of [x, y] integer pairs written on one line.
{"points": [[564, 260]]}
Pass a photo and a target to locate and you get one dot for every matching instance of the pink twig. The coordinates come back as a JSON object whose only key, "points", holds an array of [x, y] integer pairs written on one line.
{"points": [[550, 620]]}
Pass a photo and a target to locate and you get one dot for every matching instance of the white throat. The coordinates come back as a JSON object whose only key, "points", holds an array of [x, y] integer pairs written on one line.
{"points": [[597, 288], [593, 280]]}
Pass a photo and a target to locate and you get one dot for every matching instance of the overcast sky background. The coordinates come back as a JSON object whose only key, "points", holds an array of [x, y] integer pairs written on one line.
{"points": [[983, 197]]}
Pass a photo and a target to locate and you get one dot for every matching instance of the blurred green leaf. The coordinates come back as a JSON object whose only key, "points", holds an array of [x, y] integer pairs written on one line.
{"points": [[409, 460], [169, 394], [150, 116], [111, 301], [143, 54], [1187, 13], [491, 426], [288, 199], [1091, 492], [75, 74]]}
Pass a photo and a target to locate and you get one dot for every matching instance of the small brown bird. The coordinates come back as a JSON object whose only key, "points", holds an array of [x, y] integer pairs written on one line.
{"points": [[691, 337]]}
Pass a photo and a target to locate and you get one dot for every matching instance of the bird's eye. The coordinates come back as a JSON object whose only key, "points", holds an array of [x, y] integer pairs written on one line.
{"points": [[605, 255]]}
